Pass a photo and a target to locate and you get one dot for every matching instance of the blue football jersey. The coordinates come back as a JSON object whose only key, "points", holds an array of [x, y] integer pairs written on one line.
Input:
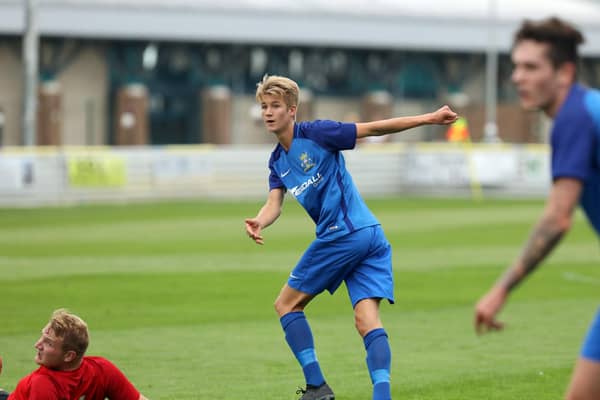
{"points": [[314, 171], [575, 141]]}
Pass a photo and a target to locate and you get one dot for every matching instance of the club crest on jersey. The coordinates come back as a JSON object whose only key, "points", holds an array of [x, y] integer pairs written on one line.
{"points": [[306, 162]]}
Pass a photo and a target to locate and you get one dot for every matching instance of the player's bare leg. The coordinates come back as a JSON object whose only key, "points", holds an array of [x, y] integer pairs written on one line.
{"points": [[366, 316], [291, 300]]}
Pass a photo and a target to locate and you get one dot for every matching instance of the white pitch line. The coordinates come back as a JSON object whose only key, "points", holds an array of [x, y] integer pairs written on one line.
{"points": [[574, 277]]}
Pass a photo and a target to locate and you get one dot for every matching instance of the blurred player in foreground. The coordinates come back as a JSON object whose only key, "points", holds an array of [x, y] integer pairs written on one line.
{"points": [[544, 55], [350, 245], [65, 373]]}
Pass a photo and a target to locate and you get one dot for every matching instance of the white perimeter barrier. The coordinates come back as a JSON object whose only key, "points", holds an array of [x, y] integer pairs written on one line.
{"points": [[71, 175]]}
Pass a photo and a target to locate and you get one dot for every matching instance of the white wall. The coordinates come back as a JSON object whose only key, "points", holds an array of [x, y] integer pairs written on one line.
{"points": [[68, 175]]}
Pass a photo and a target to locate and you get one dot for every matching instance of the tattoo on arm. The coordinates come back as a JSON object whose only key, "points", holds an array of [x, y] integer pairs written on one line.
{"points": [[541, 242]]}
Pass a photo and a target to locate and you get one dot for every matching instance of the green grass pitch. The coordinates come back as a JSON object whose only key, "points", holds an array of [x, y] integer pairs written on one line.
{"points": [[179, 298]]}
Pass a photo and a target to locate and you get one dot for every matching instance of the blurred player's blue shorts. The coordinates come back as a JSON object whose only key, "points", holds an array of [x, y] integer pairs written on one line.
{"points": [[362, 259], [591, 346]]}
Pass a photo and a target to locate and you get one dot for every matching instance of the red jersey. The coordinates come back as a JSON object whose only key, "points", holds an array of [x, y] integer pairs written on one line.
{"points": [[95, 379]]}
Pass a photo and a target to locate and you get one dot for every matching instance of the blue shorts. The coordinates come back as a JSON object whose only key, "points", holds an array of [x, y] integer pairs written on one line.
{"points": [[591, 346], [362, 259]]}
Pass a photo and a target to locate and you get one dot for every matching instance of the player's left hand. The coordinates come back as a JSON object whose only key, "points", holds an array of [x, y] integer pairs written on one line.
{"points": [[487, 308], [443, 116]]}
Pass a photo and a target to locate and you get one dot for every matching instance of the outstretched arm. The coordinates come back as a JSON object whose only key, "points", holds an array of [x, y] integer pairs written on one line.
{"points": [[266, 216], [552, 226], [443, 116]]}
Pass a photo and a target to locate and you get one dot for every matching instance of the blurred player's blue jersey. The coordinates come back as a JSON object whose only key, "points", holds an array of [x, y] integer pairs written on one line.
{"points": [[314, 171], [576, 147]]}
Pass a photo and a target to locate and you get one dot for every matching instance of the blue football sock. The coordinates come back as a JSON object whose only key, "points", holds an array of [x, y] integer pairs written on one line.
{"points": [[300, 339], [379, 359]]}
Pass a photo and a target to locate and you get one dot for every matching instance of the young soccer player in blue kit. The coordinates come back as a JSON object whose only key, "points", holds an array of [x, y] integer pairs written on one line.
{"points": [[350, 245], [545, 56]]}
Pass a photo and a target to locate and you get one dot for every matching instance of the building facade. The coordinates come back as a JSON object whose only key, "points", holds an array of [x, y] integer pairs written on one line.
{"points": [[148, 72]]}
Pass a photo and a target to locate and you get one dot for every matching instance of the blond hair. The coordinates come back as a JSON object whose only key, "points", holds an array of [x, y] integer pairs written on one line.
{"points": [[278, 86], [72, 330]]}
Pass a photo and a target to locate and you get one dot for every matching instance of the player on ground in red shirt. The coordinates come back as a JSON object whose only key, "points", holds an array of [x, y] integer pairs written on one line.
{"points": [[65, 373]]}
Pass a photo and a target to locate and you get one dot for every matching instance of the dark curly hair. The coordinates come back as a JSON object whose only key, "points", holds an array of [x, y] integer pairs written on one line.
{"points": [[562, 38]]}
